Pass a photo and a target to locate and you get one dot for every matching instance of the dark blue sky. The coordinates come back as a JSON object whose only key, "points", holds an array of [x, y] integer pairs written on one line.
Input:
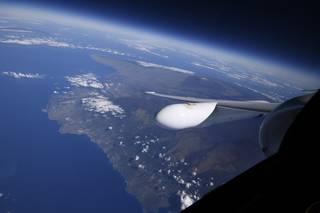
{"points": [[281, 30]]}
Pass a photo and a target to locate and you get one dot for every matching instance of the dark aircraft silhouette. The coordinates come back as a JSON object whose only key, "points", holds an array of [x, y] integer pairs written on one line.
{"points": [[288, 180], [199, 112]]}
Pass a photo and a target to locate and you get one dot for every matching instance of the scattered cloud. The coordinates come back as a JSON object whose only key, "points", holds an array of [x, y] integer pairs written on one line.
{"points": [[214, 66], [101, 104], [185, 200], [145, 149], [175, 69], [19, 75], [37, 41], [268, 86], [141, 166], [85, 80], [144, 47], [149, 50], [203, 66], [52, 42], [106, 50], [15, 30], [188, 185]]}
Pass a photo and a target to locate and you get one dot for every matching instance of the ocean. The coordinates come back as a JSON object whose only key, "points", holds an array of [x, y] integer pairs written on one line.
{"points": [[44, 171]]}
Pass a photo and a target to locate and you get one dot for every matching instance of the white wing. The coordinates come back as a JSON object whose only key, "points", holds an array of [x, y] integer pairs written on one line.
{"points": [[208, 111], [254, 105]]}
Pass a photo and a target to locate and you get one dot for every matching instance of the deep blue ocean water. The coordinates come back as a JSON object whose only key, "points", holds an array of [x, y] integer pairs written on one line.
{"points": [[45, 170]]}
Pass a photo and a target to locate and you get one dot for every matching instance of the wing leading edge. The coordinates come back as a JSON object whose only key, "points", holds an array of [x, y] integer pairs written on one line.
{"points": [[255, 105]]}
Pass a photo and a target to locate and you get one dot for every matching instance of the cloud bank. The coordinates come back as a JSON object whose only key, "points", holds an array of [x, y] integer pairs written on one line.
{"points": [[85, 80], [51, 42], [175, 69], [102, 104], [37, 41], [19, 75]]}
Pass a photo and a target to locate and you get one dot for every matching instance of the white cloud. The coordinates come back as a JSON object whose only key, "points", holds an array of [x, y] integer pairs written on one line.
{"points": [[188, 185], [148, 50], [214, 66], [274, 97], [185, 200], [137, 142], [167, 158], [181, 181], [37, 41], [106, 50], [51, 42], [19, 75], [142, 46], [161, 155], [141, 166], [145, 149], [13, 30], [203, 66], [271, 89], [102, 104], [85, 80], [175, 69]]}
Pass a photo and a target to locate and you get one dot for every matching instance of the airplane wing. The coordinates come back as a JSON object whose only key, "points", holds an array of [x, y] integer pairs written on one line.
{"points": [[226, 114], [203, 112], [255, 105]]}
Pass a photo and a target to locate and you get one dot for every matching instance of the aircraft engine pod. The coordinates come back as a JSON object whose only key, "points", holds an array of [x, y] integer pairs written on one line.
{"points": [[186, 115]]}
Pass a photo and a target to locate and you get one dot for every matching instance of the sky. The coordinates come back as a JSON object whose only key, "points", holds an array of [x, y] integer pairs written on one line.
{"points": [[280, 30]]}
